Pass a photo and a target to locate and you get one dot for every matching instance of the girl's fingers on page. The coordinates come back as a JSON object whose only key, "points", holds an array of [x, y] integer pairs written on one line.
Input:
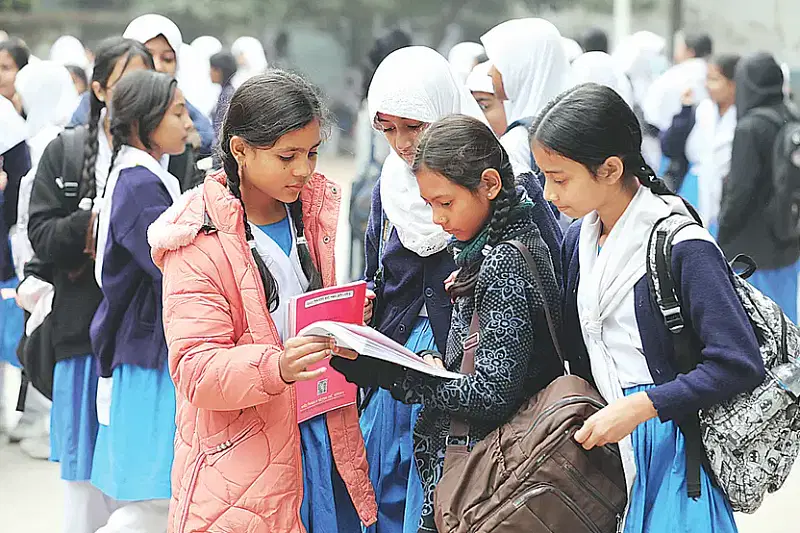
{"points": [[310, 374], [310, 359], [345, 352]]}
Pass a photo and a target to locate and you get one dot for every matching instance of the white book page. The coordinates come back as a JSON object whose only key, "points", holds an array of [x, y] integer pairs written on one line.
{"points": [[371, 343]]}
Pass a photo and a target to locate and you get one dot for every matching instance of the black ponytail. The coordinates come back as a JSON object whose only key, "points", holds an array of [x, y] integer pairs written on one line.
{"points": [[262, 110], [461, 148], [109, 53]]}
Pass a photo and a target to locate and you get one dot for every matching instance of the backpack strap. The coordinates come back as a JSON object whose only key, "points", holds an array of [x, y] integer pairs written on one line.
{"points": [[458, 435], [664, 292]]}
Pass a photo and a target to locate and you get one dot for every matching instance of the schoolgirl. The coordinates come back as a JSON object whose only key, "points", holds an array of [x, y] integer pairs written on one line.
{"points": [[71, 172], [588, 144], [233, 253], [136, 398], [466, 178], [529, 68], [703, 133]]}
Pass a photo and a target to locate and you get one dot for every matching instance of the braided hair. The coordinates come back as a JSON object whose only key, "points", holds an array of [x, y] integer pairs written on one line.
{"points": [[590, 123], [262, 110], [110, 53], [461, 148]]}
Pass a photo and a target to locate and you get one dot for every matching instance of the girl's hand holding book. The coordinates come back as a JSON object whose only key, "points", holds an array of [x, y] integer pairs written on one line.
{"points": [[301, 352]]}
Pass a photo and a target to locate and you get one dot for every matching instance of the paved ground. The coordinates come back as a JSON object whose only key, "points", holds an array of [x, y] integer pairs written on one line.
{"points": [[30, 491]]}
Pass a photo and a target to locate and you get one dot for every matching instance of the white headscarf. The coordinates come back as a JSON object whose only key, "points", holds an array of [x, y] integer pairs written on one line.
{"points": [[479, 79], [250, 56], [663, 99], [207, 46], [600, 68], [463, 57], [529, 55], [194, 78], [641, 58], [49, 99], [415, 83], [150, 26], [13, 131], [69, 51], [572, 49]]}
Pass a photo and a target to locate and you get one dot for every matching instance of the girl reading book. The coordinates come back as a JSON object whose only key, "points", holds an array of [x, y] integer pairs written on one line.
{"points": [[234, 252]]}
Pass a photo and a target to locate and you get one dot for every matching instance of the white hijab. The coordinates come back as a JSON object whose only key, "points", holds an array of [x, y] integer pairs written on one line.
{"points": [[530, 56], [13, 131], [194, 78], [69, 52], [250, 56], [572, 49], [463, 57], [479, 79], [49, 99], [128, 157], [607, 278], [600, 68], [415, 83], [207, 46], [150, 26], [641, 58]]}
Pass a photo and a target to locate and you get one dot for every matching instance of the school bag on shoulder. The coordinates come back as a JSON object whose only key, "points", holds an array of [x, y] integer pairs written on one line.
{"points": [[36, 351], [530, 475], [751, 441], [784, 207]]}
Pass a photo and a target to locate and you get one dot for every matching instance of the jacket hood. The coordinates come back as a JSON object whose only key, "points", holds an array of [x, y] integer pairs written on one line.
{"points": [[759, 83], [211, 202]]}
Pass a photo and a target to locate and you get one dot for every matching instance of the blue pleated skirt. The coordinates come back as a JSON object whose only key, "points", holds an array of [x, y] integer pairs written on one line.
{"points": [[659, 503], [133, 455], [690, 188], [326, 506], [73, 417], [388, 427]]}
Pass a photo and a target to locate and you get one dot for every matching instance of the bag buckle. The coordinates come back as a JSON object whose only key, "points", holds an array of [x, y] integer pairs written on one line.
{"points": [[472, 341], [458, 441], [673, 318]]}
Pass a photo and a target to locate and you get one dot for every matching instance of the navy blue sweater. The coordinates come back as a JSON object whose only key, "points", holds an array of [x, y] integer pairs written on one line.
{"points": [[411, 281], [730, 361], [128, 326]]}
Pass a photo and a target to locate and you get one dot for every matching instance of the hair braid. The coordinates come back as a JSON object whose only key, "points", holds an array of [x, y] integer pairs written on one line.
{"points": [[270, 283], [88, 175], [303, 252], [647, 177]]}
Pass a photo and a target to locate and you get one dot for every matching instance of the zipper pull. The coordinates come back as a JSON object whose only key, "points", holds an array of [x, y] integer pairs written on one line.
{"points": [[619, 523]]}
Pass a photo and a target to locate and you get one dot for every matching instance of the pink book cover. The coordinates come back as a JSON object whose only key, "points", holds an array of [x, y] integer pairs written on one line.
{"points": [[340, 304]]}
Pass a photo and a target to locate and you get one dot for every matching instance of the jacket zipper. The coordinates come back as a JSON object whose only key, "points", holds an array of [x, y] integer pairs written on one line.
{"points": [[583, 483], [199, 463], [562, 403], [542, 488]]}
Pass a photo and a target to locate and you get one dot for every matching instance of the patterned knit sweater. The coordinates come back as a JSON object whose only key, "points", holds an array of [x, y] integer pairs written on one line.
{"points": [[514, 360]]}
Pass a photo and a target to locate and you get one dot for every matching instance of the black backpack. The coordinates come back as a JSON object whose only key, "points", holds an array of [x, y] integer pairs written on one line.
{"points": [[784, 206], [36, 352]]}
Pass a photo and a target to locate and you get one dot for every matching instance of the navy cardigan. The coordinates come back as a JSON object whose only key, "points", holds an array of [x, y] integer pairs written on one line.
{"points": [[128, 326], [730, 363]]}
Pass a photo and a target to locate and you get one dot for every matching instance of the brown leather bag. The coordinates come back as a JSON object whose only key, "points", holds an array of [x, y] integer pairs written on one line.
{"points": [[530, 475]]}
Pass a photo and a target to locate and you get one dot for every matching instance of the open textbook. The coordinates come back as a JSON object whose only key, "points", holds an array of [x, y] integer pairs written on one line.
{"points": [[370, 343]]}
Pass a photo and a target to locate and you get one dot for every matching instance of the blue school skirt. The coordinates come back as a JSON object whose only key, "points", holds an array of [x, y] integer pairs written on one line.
{"points": [[659, 503], [780, 285], [133, 455], [73, 417], [326, 506], [388, 427], [690, 188], [12, 324]]}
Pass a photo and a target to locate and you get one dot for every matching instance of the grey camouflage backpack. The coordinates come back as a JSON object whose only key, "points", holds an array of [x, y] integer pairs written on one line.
{"points": [[751, 441]]}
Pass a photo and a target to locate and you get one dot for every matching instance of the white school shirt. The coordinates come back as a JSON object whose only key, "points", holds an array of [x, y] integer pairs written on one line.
{"points": [[621, 329], [287, 271]]}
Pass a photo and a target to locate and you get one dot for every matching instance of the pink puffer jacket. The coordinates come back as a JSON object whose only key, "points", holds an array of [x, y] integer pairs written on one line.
{"points": [[237, 446]]}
